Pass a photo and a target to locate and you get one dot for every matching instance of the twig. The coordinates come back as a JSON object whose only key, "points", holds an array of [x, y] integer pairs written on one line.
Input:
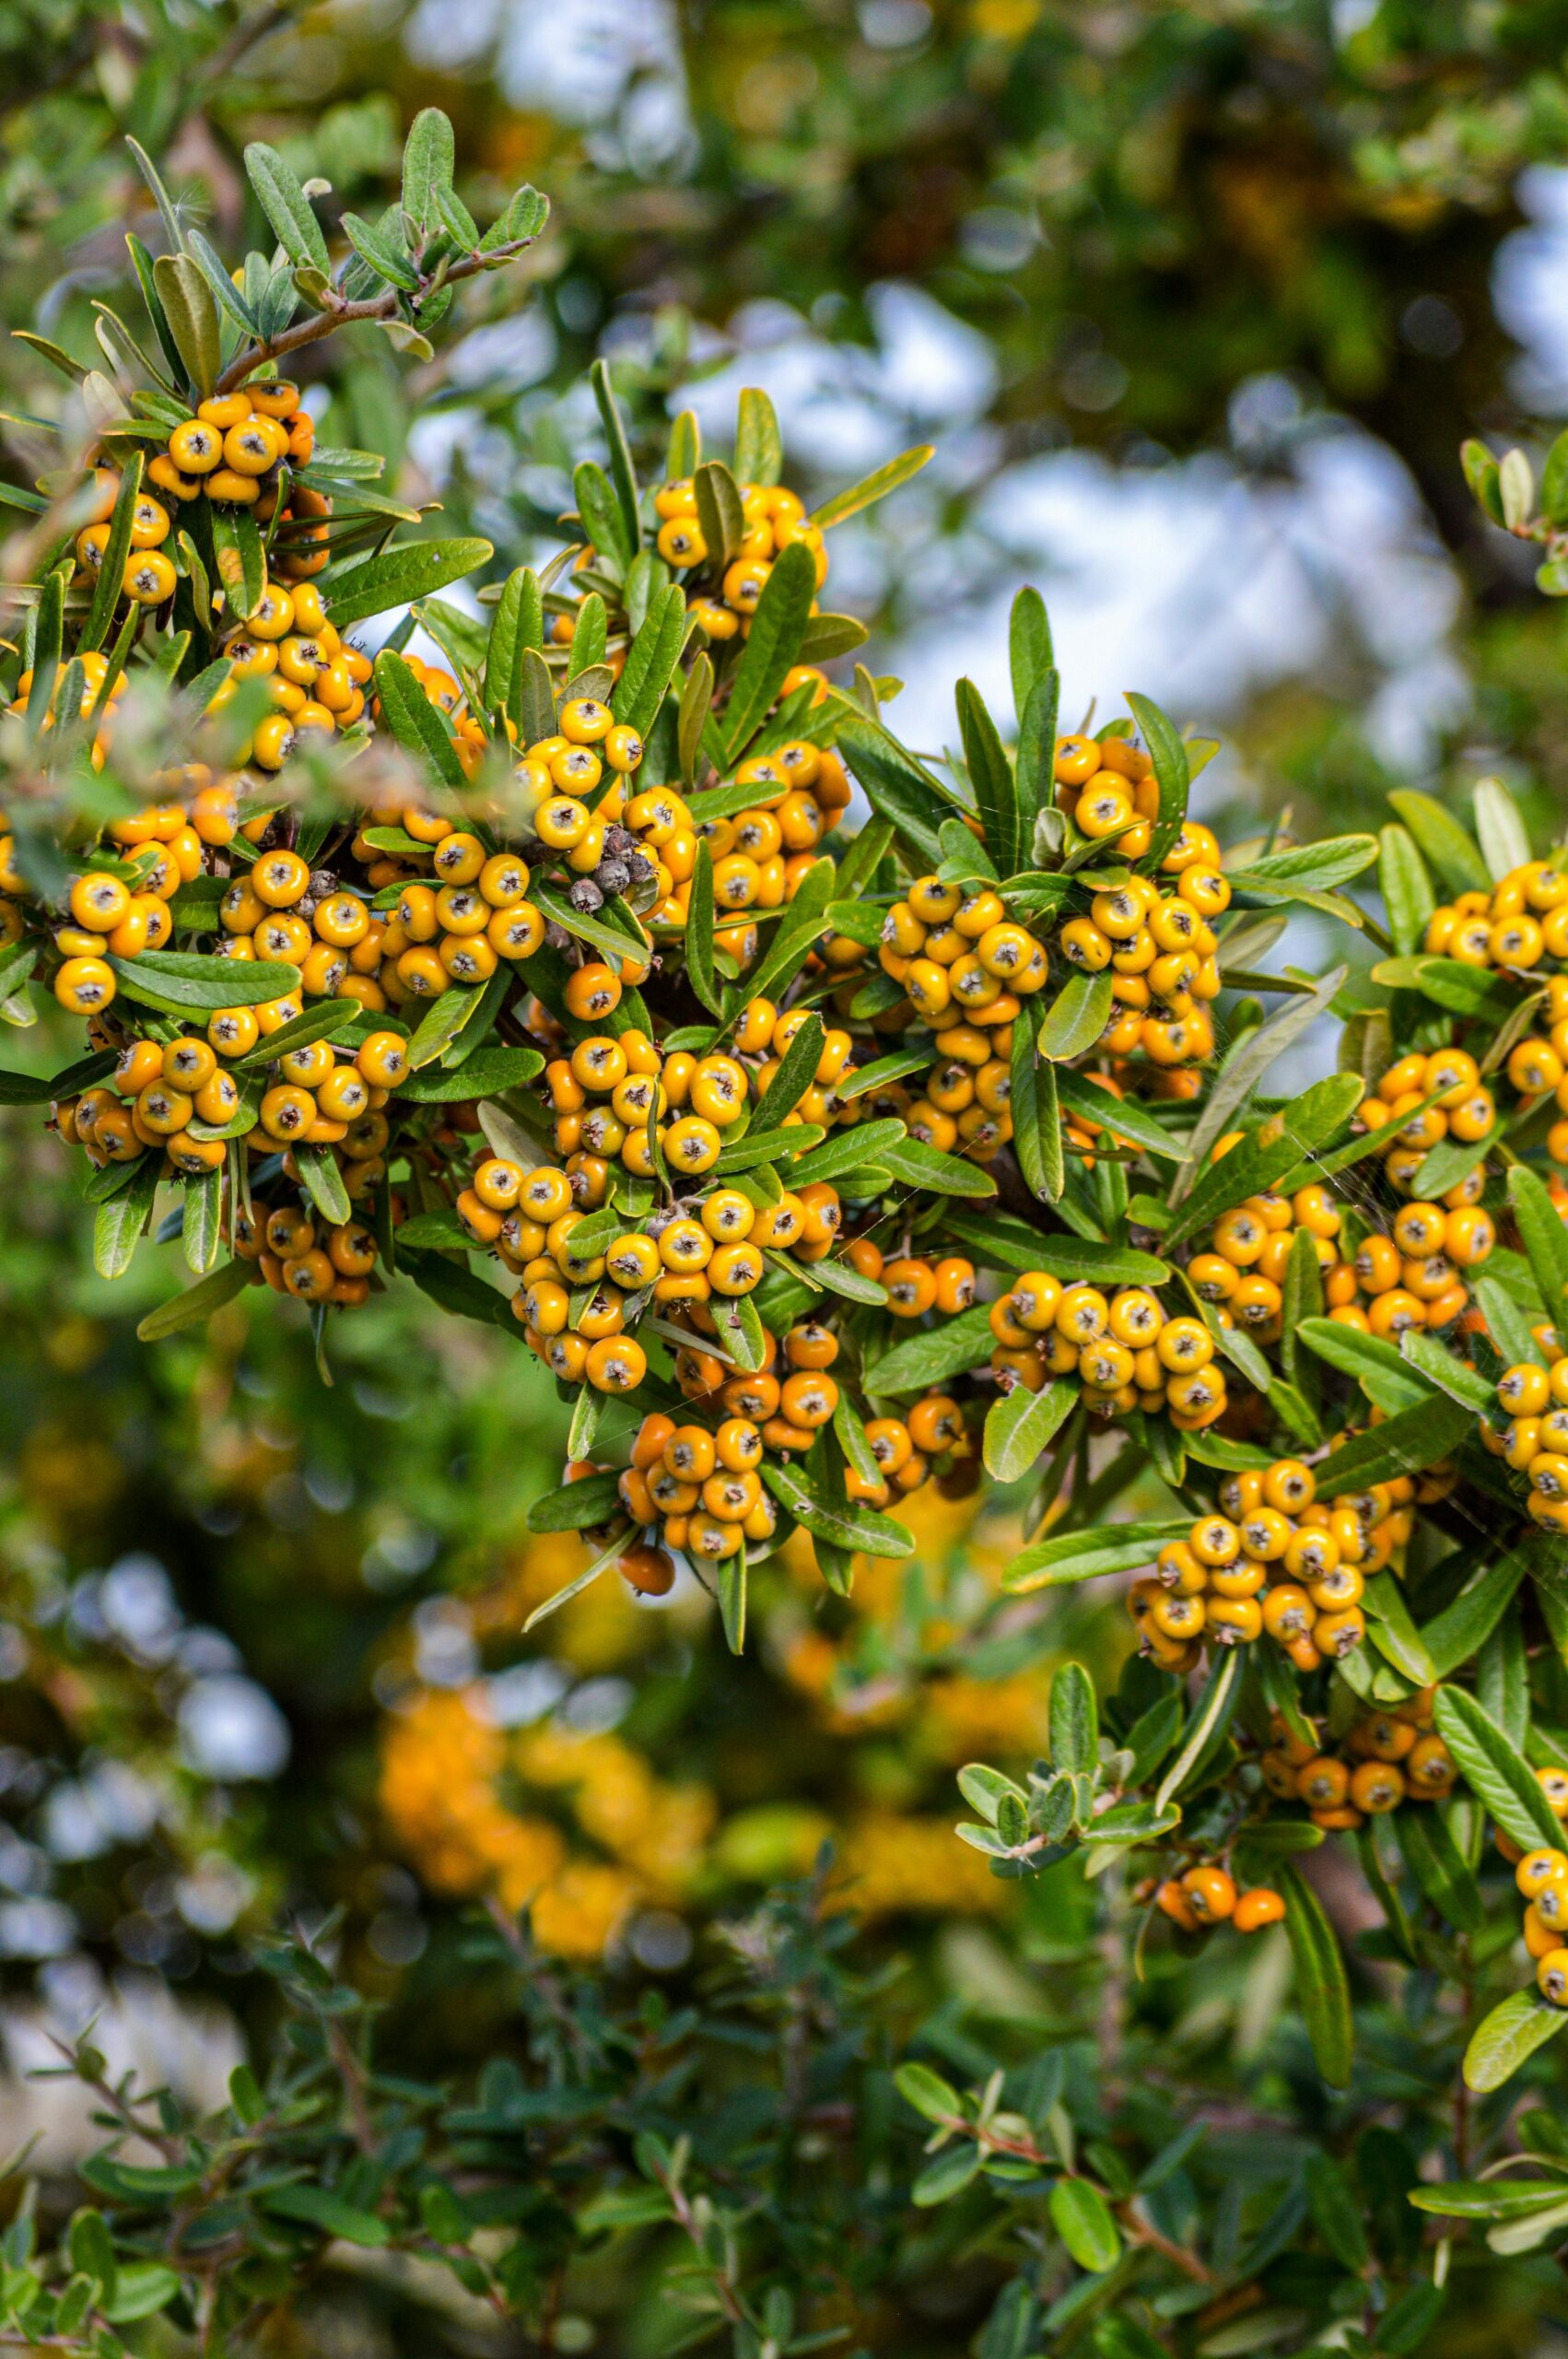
{"points": [[339, 312]]}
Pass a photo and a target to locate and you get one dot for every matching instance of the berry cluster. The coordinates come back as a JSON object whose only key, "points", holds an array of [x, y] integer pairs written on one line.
{"points": [[1387, 1758], [1275, 1559], [723, 597]]}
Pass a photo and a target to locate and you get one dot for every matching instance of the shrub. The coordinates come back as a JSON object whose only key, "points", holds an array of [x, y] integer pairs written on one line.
{"points": [[829, 1161]]}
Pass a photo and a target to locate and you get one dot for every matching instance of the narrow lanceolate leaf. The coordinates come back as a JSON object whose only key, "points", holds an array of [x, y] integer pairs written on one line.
{"points": [[797, 1071], [1322, 1988], [1406, 890], [1545, 1241], [719, 510], [1035, 763], [1074, 1721], [1289, 1137], [196, 1305], [517, 622], [696, 702], [1402, 1445], [192, 313], [286, 204], [1496, 1773], [1211, 1714], [202, 1222], [1075, 1018], [777, 627], [759, 446], [920, 1165], [119, 1223], [1244, 1070], [855, 1528], [110, 573], [991, 775], [1452, 852], [1508, 2038], [650, 665], [1173, 771], [177, 979], [699, 933], [926, 1358], [1072, 1556], [322, 1182], [398, 576], [1383, 1375], [1433, 1359], [897, 785], [1036, 1115], [1018, 1426], [414, 719], [1500, 827], [1029, 652], [874, 486]]}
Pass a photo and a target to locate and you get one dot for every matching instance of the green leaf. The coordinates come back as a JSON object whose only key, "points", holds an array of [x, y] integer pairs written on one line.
{"points": [[1335, 2213], [1211, 1714], [177, 979], [1002, 1242], [621, 470], [118, 1224], [1506, 2038], [1074, 1720], [1034, 765], [1018, 1425], [874, 486], [1433, 1359], [240, 558], [650, 665], [196, 1305], [938, 1351], [429, 161], [696, 702], [1499, 1776], [932, 2097], [414, 719], [1545, 1241], [311, 1024], [719, 512], [286, 204], [192, 314], [1449, 984], [1322, 1988], [442, 1023], [1029, 652], [575, 1506], [1075, 1018], [486, 1074], [396, 577], [322, 1182], [1173, 771], [1035, 1110], [850, 1527], [1500, 827], [1268, 1153], [1406, 890], [759, 446], [111, 573], [991, 775], [927, 1166], [1070, 1557], [1434, 1861], [798, 930], [1243, 1070], [379, 249], [1447, 846], [201, 1224], [319, 2207], [1376, 1365], [897, 785], [774, 645], [697, 941], [1083, 2221], [1402, 1445]]}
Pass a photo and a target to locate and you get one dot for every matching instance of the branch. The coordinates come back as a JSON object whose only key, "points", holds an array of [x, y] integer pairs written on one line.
{"points": [[341, 313]]}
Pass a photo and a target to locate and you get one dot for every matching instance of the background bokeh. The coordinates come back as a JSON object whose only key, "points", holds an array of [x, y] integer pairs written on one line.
{"points": [[1197, 303]]}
